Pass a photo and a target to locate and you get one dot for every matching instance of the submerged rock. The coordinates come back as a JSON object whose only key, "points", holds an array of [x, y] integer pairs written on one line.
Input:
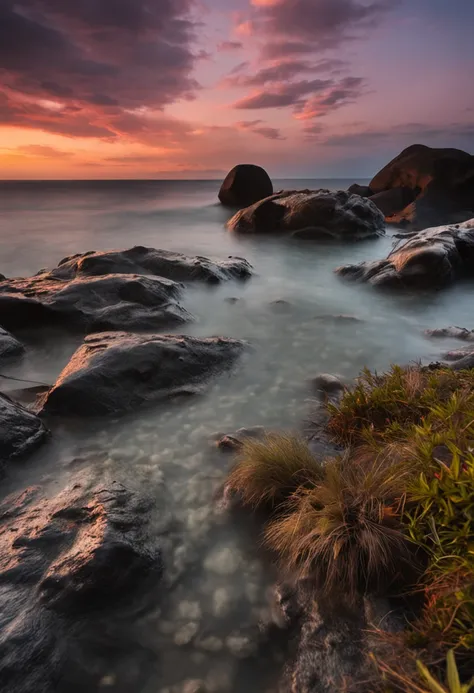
{"points": [[441, 180], [63, 561], [244, 185], [21, 431], [115, 372], [161, 263], [453, 333], [10, 347], [312, 215], [109, 302], [431, 259]]}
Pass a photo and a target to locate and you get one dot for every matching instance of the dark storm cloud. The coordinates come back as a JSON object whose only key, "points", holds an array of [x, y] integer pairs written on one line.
{"points": [[124, 55]]}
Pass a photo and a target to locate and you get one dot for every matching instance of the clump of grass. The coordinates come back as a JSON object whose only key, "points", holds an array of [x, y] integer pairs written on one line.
{"points": [[420, 679], [344, 531], [270, 469], [383, 407]]}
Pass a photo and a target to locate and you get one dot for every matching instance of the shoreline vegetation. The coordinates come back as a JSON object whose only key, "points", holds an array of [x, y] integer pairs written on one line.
{"points": [[392, 516]]}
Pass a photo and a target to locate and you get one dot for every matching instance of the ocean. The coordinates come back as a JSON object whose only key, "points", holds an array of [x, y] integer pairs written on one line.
{"points": [[286, 312]]}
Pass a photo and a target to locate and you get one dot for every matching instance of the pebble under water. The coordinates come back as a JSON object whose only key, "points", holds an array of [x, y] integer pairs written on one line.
{"points": [[210, 625]]}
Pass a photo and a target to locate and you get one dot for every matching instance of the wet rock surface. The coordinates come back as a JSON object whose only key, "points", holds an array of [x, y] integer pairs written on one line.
{"points": [[63, 562], [244, 185], [362, 190], [162, 263], [108, 302], [10, 347], [115, 372], [431, 259], [21, 431], [312, 215]]}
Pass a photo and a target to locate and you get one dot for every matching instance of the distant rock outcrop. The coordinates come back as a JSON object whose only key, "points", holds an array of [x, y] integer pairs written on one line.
{"points": [[115, 372], [430, 259], [244, 185], [312, 215]]}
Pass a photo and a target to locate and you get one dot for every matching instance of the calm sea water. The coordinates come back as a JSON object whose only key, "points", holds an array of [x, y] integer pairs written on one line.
{"points": [[209, 621]]}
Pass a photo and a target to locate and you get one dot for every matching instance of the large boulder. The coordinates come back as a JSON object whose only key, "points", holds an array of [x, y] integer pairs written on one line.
{"points": [[161, 263], [442, 181], [10, 347], [109, 302], [392, 201], [115, 372], [244, 185], [64, 561], [312, 215], [21, 431], [431, 259]]}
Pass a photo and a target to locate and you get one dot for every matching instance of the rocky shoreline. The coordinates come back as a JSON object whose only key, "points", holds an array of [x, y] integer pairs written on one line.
{"points": [[89, 549]]}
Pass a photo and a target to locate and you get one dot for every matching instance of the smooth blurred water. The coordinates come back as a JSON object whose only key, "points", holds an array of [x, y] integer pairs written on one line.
{"points": [[215, 602]]}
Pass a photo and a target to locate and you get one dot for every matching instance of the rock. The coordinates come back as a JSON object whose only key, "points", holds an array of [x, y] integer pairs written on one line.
{"points": [[161, 263], [442, 181], [240, 646], [109, 302], [63, 561], [223, 561], [21, 431], [392, 201], [27, 395], [463, 360], [431, 259], [210, 644], [186, 634], [453, 333], [113, 372], [312, 214], [10, 347], [362, 190], [245, 185], [234, 441], [327, 385], [281, 306]]}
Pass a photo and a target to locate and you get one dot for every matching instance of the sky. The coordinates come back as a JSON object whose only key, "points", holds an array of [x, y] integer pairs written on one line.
{"points": [[189, 88]]}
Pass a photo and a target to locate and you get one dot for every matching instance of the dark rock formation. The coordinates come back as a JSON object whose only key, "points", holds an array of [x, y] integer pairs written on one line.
{"points": [[362, 190], [20, 430], [115, 372], [442, 181], [63, 561], [431, 259], [327, 385], [10, 347], [453, 333], [312, 215], [111, 302], [392, 201], [161, 263], [244, 185], [234, 441]]}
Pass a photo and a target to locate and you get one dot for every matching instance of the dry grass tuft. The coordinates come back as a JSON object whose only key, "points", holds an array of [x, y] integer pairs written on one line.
{"points": [[270, 469], [344, 532]]}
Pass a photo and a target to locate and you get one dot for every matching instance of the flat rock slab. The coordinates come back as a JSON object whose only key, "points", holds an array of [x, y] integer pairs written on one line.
{"points": [[161, 263], [430, 259], [10, 347], [21, 431], [64, 561], [312, 215], [115, 372], [88, 304]]}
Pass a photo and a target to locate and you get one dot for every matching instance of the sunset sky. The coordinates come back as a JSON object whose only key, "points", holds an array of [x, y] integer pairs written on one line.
{"points": [[188, 88]]}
